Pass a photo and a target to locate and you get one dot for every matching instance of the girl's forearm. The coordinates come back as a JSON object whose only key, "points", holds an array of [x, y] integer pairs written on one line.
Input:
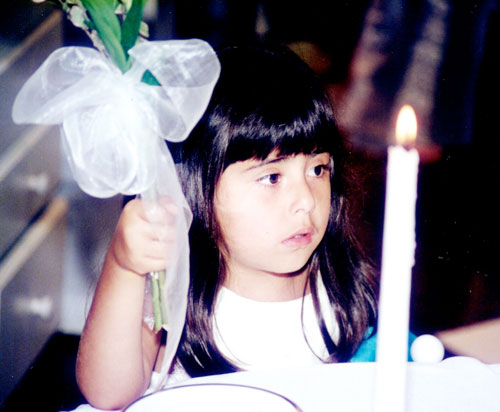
{"points": [[117, 352]]}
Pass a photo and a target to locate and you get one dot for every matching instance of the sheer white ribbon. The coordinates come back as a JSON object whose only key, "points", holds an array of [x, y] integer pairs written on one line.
{"points": [[113, 126]]}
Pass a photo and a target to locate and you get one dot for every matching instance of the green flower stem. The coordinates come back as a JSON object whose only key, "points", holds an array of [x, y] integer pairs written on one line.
{"points": [[163, 304], [159, 309]]}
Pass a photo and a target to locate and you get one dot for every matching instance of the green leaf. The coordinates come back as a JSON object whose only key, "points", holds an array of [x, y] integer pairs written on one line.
{"points": [[108, 27], [132, 24], [148, 78], [55, 3]]}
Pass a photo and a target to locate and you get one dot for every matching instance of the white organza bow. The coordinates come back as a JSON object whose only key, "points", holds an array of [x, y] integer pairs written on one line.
{"points": [[111, 121], [113, 127]]}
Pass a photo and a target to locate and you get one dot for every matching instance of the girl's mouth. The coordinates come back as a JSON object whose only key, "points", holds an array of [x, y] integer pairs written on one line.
{"points": [[301, 238]]}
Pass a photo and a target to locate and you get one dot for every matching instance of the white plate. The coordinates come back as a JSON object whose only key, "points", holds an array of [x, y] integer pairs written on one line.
{"points": [[213, 398]]}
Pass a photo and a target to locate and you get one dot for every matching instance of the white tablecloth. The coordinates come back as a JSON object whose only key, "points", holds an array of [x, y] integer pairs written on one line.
{"points": [[457, 384]]}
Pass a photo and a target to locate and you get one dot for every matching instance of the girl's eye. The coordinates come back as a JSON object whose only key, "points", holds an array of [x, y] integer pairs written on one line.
{"points": [[319, 170], [271, 179]]}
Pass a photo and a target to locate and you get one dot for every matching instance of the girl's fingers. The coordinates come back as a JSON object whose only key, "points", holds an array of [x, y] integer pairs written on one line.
{"points": [[157, 222], [169, 206], [144, 261], [163, 211], [162, 218], [158, 250], [144, 246]]}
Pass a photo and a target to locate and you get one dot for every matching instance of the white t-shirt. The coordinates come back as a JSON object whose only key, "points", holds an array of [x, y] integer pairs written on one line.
{"points": [[258, 335]]}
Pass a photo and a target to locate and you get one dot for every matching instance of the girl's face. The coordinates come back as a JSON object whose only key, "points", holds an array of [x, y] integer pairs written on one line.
{"points": [[272, 215]]}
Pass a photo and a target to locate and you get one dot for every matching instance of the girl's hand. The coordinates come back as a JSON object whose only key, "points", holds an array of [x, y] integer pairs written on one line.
{"points": [[141, 246]]}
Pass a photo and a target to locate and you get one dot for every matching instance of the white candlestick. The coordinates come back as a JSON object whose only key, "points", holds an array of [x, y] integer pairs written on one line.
{"points": [[398, 256]]}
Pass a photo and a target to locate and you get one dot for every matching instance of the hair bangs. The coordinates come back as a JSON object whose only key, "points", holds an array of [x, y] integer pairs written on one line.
{"points": [[257, 136]]}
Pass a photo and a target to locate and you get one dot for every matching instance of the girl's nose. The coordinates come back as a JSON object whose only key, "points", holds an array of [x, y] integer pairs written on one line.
{"points": [[302, 197]]}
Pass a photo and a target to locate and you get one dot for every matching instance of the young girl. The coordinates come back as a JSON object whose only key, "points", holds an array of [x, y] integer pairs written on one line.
{"points": [[277, 277]]}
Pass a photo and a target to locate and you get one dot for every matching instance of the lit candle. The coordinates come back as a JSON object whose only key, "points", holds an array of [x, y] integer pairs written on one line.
{"points": [[398, 257]]}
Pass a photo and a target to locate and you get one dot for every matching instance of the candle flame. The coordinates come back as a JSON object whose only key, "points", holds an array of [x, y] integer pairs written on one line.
{"points": [[406, 125]]}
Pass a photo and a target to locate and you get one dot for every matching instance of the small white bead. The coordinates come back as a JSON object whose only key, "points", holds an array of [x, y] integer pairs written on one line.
{"points": [[427, 349]]}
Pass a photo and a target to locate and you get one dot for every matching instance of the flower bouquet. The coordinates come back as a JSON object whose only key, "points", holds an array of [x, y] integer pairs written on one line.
{"points": [[116, 104]]}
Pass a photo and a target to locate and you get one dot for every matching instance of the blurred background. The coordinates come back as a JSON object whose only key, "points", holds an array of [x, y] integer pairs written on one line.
{"points": [[53, 237]]}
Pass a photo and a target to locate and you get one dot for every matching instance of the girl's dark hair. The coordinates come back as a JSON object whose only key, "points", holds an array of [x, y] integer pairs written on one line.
{"points": [[266, 101]]}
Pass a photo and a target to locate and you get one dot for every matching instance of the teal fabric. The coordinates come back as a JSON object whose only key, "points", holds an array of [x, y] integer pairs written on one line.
{"points": [[367, 350]]}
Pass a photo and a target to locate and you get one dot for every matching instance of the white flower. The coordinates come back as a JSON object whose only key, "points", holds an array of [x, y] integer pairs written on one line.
{"points": [[38, 1], [144, 29], [127, 4], [120, 9], [96, 40], [123, 6], [78, 16]]}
